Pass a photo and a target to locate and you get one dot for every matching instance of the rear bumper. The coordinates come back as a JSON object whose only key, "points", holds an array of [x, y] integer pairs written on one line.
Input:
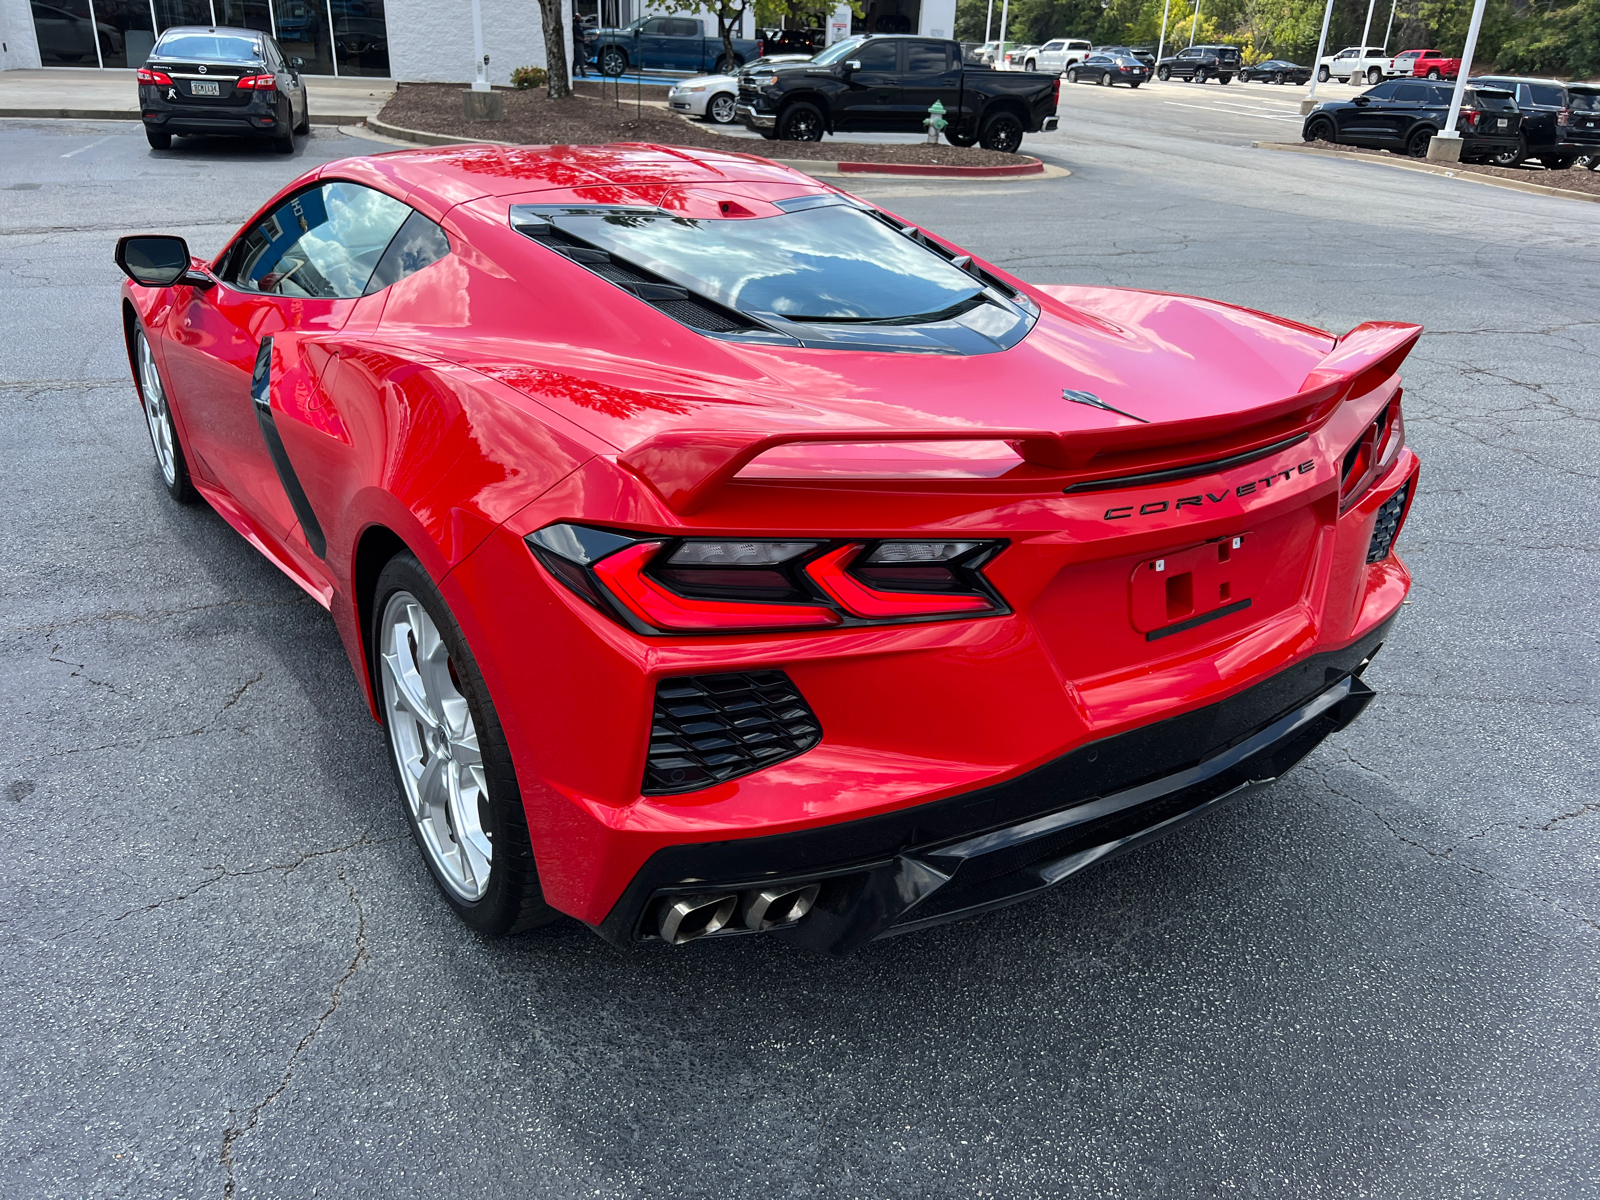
{"points": [[257, 117], [981, 850]]}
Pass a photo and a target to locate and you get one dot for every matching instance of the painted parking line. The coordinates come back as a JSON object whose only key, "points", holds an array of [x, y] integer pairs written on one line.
{"points": [[1211, 108], [90, 146]]}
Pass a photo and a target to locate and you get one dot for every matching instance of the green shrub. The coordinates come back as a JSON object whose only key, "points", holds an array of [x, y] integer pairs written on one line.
{"points": [[529, 77]]}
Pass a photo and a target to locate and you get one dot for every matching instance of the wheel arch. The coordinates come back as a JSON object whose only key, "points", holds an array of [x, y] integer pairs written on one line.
{"points": [[809, 97], [374, 548]]}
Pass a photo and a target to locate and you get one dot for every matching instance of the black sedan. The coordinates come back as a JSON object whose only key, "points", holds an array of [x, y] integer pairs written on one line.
{"points": [[215, 80], [1109, 69], [1143, 53], [1403, 115], [1275, 70]]}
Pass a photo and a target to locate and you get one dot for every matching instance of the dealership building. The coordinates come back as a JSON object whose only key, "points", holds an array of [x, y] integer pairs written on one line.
{"points": [[410, 41]]}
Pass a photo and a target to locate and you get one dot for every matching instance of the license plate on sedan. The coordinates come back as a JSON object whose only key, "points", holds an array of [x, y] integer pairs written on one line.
{"points": [[210, 87]]}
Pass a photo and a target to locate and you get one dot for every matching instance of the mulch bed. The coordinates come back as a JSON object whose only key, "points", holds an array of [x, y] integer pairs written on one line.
{"points": [[588, 118], [1574, 179]]}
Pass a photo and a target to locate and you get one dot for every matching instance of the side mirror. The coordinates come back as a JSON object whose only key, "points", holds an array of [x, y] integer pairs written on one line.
{"points": [[153, 260], [297, 64], [1363, 101], [854, 64]]}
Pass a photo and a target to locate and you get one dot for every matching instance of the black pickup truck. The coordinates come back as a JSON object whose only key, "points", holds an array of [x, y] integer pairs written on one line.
{"points": [[887, 85]]}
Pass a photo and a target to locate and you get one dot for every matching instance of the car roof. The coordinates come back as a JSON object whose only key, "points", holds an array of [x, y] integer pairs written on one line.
{"points": [[231, 30], [439, 178], [1521, 79]]}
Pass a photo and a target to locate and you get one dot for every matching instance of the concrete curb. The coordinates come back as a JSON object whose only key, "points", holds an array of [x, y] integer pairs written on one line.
{"points": [[1033, 168], [1515, 185], [125, 114]]}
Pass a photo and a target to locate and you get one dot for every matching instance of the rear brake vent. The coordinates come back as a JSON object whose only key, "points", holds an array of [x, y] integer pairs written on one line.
{"points": [[1388, 524], [711, 728]]}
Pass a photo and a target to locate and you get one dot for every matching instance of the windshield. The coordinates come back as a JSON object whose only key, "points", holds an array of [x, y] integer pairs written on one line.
{"points": [[838, 51], [210, 47], [828, 263]]}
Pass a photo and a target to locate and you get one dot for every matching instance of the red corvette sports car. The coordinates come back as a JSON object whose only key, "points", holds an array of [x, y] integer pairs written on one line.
{"points": [[723, 554]]}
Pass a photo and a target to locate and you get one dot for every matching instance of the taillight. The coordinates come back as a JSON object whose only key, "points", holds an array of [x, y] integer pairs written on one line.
{"points": [[1470, 116], [1373, 454], [713, 585], [1563, 116], [262, 83], [1055, 93], [154, 78]]}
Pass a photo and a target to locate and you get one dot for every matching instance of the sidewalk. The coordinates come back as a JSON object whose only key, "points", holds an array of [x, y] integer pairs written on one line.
{"points": [[77, 92]]}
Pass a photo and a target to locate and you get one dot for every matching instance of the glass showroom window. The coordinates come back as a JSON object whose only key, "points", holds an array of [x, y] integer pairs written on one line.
{"points": [[334, 37]]}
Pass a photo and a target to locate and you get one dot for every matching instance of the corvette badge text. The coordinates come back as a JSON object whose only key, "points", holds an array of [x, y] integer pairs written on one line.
{"points": [[1243, 489]]}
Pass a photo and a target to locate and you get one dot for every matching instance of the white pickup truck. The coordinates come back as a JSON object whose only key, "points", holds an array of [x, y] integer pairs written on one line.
{"points": [[1055, 57], [1350, 65]]}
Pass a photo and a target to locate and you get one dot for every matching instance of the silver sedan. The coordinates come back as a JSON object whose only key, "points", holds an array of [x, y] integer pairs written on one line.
{"points": [[712, 97]]}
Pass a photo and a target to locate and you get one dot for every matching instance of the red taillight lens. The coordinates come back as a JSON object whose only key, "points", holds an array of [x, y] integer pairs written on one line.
{"points": [[1055, 93], [859, 598], [1563, 117], [1470, 116], [154, 78], [710, 585], [1373, 453], [623, 574], [260, 83]]}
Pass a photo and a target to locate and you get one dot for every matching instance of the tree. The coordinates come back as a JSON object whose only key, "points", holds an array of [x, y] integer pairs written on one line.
{"points": [[557, 82]]}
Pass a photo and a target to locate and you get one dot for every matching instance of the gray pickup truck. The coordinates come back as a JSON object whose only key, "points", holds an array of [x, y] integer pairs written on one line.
{"points": [[666, 44], [887, 85]]}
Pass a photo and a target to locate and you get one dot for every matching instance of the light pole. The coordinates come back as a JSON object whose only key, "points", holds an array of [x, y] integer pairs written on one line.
{"points": [[480, 80], [1446, 146], [1162, 47], [988, 21], [1393, 4], [1310, 101], [1194, 24], [1366, 30], [1005, 15]]}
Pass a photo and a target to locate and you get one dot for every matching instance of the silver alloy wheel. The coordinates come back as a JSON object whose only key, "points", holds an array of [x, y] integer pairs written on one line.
{"points": [[156, 413], [435, 744], [721, 109]]}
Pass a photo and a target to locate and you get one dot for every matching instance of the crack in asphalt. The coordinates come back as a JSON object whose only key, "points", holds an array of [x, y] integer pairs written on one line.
{"points": [[159, 614], [1446, 855], [237, 1130], [79, 671]]}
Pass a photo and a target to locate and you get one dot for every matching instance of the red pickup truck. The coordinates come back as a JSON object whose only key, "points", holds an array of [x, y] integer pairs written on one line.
{"points": [[1428, 64]]}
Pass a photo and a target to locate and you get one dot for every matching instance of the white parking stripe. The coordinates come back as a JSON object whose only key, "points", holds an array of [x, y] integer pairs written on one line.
{"points": [[90, 146]]}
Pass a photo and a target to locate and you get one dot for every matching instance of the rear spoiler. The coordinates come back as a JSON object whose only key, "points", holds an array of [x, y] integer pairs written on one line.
{"points": [[686, 467]]}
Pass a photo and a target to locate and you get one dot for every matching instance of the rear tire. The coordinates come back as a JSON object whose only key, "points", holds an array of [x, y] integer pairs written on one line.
{"points": [[726, 65], [1417, 143], [451, 762], [1200, 75], [1003, 132], [1557, 162], [1224, 78], [1279, 79], [1373, 76], [158, 141], [1434, 74], [1322, 74], [1072, 74], [1104, 80], [304, 128], [1030, 65], [800, 122]]}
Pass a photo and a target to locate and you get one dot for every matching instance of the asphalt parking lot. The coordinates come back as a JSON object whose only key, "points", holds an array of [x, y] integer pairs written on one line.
{"points": [[224, 972]]}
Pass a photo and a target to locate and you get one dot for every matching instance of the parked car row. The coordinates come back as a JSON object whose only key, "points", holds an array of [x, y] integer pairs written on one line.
{"points": [[1503, 121], [1375, 64]]}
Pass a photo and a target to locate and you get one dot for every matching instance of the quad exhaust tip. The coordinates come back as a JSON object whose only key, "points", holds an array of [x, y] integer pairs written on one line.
{"points": [[685, 918]]}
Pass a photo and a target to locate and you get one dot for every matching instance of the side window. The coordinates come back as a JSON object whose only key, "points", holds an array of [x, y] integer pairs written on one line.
{"points": [[1544, 93], [657, 27], [1052, 47], [926, 58], [878, 56], [420, 243], [324, 242], [683, 28], [1384, 91], [1413, 92]]}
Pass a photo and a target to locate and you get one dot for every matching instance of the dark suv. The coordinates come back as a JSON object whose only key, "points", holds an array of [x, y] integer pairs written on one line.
{"points": [[1200, 63], [1559, 120], [1403, 115], [216, 80]]}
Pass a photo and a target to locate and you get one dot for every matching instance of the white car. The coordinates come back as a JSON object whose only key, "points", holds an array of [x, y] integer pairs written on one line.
{"points": [[1350, 65], [1055, 57], [712, 97]]}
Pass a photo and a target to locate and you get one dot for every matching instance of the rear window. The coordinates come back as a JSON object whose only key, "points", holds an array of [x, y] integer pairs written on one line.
{"points": [[1546, 94], [829, 263], [1584, 102], [208, 47], [1490, 101]]}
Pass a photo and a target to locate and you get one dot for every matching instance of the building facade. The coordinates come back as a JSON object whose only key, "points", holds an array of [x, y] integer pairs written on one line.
{"points": [[413, 41]]}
